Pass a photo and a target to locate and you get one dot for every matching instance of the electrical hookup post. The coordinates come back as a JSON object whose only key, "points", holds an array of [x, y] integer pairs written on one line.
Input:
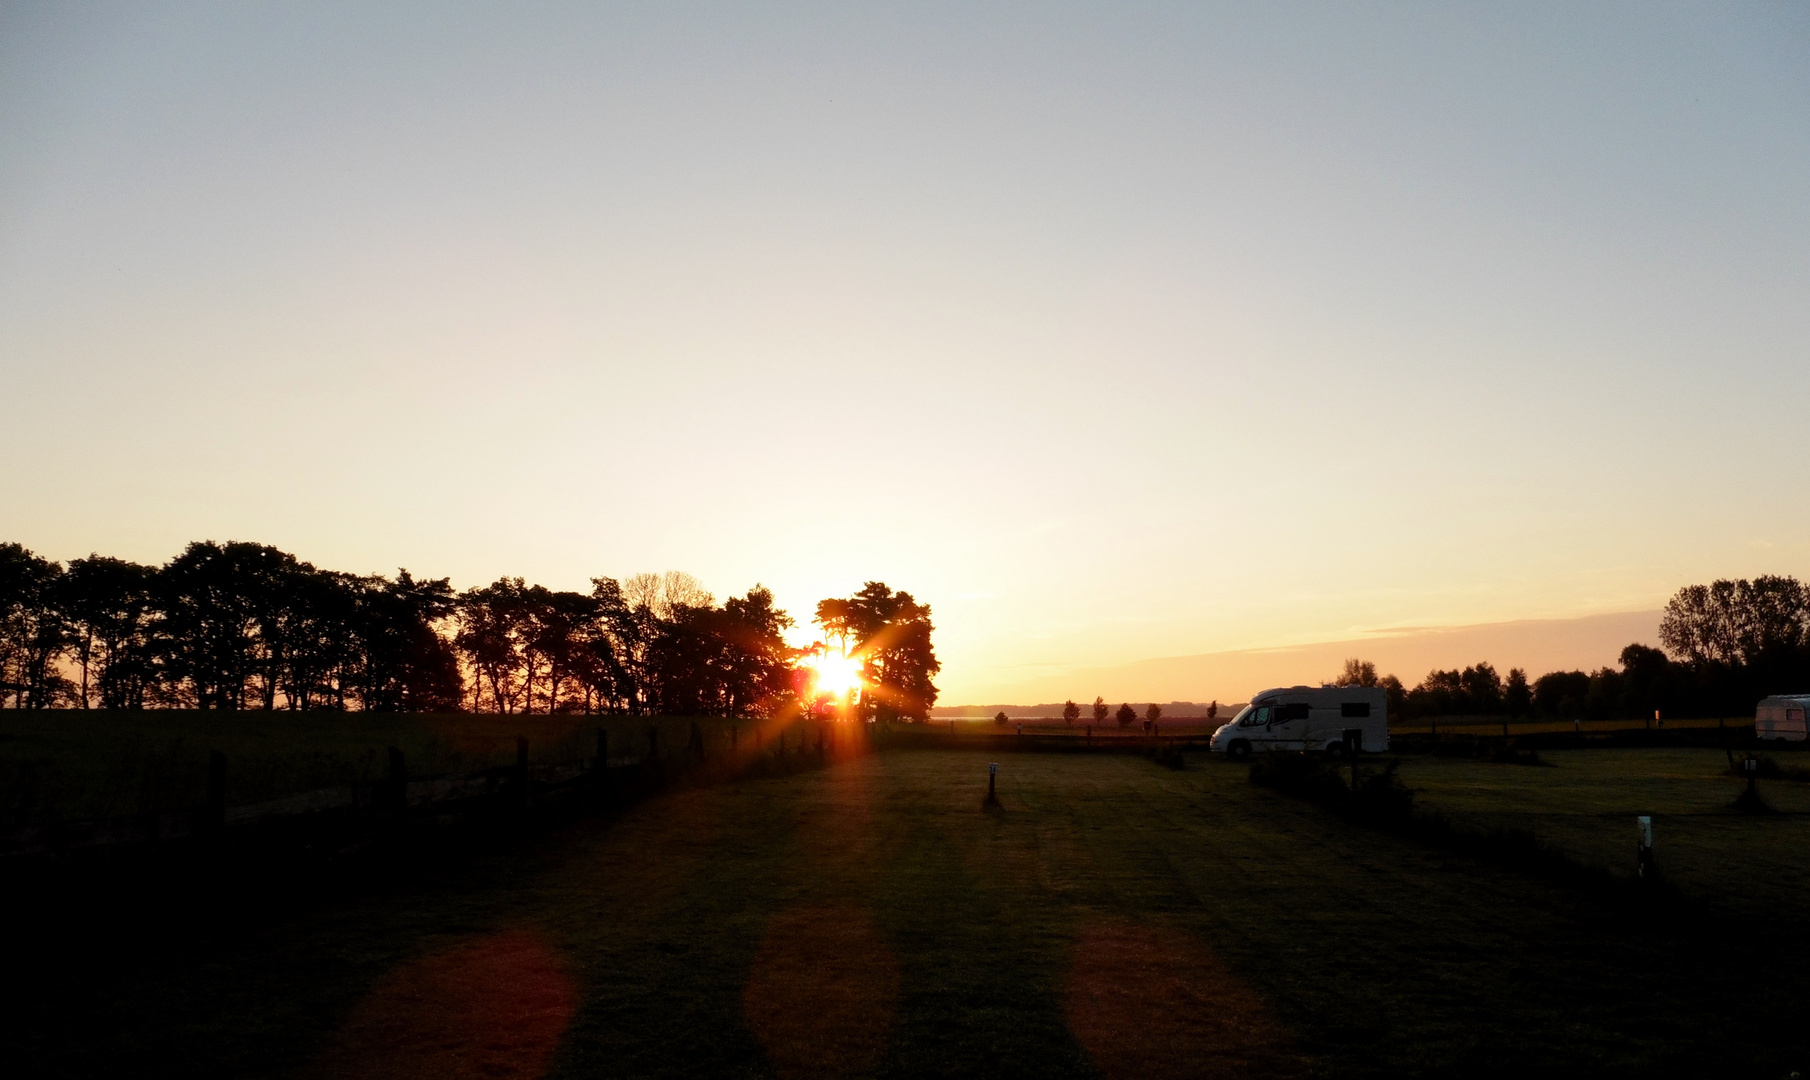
{"points": [[1643, 852], [992, 779]]}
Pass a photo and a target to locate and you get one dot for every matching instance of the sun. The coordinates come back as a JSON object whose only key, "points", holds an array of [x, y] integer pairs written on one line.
{"points": [[835, 674]]}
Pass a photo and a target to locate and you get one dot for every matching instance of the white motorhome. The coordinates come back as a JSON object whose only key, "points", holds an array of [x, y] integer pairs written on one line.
{"points": [[1330, 718], [1781, 717]]}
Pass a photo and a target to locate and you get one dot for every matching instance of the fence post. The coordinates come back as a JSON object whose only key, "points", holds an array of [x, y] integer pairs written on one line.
{"points": [[213, 819]]}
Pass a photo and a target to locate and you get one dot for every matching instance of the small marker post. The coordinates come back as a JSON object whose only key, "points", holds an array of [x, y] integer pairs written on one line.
{"points": [[1750, 801], [992, 778], [1643, 853]]}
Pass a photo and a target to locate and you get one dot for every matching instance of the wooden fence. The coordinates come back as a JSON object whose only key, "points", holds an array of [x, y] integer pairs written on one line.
{"points": [[348, 817]]}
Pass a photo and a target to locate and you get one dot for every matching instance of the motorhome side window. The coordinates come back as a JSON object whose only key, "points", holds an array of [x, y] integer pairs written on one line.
{"points": [[1354, 708], [1297, 711], [1259, 716]]}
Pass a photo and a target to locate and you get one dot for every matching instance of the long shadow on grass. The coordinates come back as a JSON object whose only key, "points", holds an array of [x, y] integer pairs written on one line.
{"points": [[982, 965]]}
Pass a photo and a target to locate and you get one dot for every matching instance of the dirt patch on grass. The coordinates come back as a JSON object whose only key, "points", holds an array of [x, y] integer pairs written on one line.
{"points": [[492, 1008], [823, 993], [1146, 1002]]}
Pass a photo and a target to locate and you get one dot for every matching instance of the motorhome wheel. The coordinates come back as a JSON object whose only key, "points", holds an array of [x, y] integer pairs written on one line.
{"points": [[1238, 750]]}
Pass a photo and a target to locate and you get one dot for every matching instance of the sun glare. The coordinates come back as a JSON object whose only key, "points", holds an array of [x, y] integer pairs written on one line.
{"points": [[834, 674]]}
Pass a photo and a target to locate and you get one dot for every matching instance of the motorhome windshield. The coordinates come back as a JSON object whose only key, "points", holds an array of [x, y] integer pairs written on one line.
{"points": [[1255, 716], [1242, 713]]}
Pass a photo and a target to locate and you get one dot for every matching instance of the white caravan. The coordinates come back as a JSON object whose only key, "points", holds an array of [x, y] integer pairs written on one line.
{"points": [[1330, 718], [1781, 717]]}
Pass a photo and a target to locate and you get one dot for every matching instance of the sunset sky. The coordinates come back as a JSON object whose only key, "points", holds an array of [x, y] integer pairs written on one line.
{"points": [[1112, 332]]}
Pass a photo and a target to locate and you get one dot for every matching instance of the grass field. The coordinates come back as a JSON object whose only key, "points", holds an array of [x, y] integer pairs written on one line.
{"points": [[872, 919], [1587, 802]]}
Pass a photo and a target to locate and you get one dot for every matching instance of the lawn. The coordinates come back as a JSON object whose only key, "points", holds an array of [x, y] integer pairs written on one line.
{"points": [[1113, 918], [1586, 804]]}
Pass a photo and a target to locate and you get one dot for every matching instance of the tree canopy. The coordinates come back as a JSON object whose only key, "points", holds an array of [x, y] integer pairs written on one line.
{"points": [[247, 626], [889, 632]]}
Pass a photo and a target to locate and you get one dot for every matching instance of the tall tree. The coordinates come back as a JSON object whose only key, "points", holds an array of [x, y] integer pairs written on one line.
{"points": [[1101, 710], [891, 634], [33, 633], [490, 620], [224, 632], [110, 605], [1357, 673], [1517, 696], [1070, 712], [407, 665], [757, 674]]}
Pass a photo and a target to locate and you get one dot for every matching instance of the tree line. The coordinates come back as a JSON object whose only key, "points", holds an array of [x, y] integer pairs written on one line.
{"points": [[247, 626], [1726, 646]]}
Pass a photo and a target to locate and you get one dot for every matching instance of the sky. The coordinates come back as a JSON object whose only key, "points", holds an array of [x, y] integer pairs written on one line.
{"points": [[1113, 332]]}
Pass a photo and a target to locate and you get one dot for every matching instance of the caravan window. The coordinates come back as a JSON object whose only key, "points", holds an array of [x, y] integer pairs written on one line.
{"points": [[1354, 709], [1297, 711]]}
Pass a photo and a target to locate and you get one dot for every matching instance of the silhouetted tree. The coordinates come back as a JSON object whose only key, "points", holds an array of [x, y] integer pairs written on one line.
{"points": [[1561, 694], [32, 630], [1471, 691], [404, 663], [757, 662], [1482, 688], [890, 633], [491, 625], [1737, 622], [1101, 710], [1396, 694], [1127, 715], [1517, 696], [1652, 683], [110, 607], [1071, 712], [224, 635], [241, 625], [1357, 673], [1000, 718], [1739, 640]]}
